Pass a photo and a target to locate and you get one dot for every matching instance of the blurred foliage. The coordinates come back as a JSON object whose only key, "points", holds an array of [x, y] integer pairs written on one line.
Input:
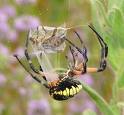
{"points": [[108, 18], [89, 112], [21, 95]]}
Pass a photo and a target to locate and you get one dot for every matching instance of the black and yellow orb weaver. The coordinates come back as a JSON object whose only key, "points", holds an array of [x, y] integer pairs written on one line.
{"points": [[67, 86]]}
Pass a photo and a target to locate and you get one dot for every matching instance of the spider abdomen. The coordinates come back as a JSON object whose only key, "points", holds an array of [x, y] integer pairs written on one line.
{"points": [[66, 89]]}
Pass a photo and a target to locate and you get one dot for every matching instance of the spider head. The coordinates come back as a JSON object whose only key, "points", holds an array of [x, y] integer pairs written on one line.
{"points": [[65, 89]]}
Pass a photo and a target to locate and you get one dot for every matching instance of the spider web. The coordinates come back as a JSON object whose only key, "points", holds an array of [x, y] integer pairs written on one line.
{"points": [[44, 33], [43, 49], [46, 65]]}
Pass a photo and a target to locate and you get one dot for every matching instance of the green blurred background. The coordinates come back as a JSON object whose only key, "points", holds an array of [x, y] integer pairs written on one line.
{"points": [[20, 94]]}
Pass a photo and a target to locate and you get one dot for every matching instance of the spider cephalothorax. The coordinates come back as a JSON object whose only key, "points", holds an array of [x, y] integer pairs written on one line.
{"points": [[67, 86]]}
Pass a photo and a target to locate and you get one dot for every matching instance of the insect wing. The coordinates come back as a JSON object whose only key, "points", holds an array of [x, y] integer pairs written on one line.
{"points": [[46, 65], [50, 39]]}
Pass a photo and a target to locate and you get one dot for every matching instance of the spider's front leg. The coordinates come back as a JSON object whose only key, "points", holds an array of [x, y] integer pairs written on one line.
{"points": [[104, 53], [82, 67]]}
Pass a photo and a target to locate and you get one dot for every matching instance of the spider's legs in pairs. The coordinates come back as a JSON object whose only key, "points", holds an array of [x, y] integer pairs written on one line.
{"points": [[104, 53]]}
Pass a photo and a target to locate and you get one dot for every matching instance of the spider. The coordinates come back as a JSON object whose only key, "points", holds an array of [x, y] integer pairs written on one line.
{"points": [[66, 86]]}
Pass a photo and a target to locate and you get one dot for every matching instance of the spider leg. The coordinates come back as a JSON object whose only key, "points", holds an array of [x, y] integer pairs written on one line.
{"points": [[43, 29], [30, 62], [71, 66], [33, 76], [43, 75], [78, 37], [69, 63], [54, 32], [28, 57], [104, 51], [38, 80], [83, 52], [72, 53]]}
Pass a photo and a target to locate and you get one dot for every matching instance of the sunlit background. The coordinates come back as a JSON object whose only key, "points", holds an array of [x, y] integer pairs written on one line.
{"points": [[19, 93]]}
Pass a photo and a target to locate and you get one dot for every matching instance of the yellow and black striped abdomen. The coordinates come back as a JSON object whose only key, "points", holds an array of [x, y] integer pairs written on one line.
{"points": [[66, 89]]}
